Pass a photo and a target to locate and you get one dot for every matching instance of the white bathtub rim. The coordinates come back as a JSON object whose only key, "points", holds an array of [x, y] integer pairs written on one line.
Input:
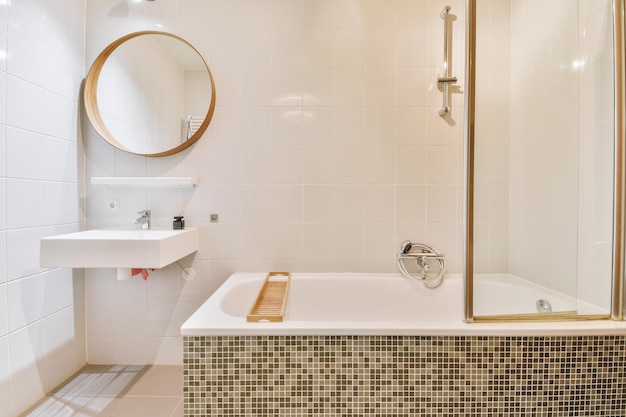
{"points": [[209, 320]]}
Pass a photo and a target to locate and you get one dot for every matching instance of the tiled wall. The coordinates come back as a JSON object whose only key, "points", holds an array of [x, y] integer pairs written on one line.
{"points": [[324, 153], [42, 339], [404, 376], [326, 150]]}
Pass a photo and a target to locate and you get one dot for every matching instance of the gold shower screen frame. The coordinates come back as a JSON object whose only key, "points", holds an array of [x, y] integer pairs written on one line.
{"points": [[618, 293]]}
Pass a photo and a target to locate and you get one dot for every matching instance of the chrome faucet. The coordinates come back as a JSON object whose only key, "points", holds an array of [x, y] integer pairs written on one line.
{"points": [[143, 219], [423, 263]]}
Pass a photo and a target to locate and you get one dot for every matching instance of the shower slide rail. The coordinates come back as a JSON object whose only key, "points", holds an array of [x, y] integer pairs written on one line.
{"points": [[444, 81]]}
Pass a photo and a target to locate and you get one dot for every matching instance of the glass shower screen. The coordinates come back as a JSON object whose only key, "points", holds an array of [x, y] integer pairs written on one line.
{"points": [[543, 159]]}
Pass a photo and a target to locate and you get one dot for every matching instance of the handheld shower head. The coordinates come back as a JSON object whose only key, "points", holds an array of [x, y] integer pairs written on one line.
{"points": [[405, 247]]}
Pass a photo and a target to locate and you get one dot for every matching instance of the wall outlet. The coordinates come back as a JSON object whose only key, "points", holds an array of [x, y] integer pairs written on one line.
{"points": [[113, 204]]}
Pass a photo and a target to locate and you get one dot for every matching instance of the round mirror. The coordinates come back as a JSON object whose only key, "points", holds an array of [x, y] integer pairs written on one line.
{"points": [[150, 93]]}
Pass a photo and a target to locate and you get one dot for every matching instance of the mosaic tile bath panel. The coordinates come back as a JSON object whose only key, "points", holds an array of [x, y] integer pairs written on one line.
{"points": [[404, 376]]}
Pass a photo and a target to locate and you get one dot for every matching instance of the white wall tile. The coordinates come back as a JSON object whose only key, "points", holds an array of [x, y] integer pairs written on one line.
{"points": [[256, 86], [439, 169], [349, 126], [3, 216], [411, 203], [26, 109], [256, 46], [411, 87], [349, 48], [59, 160], [412, 126], [349, 243], [317, 203], [24, 151], [99, 313], [224, 45], [286, 165], [349, 86], [164, 350], [316, 52], [4, 311], [411, 163], [130, 351], [255, 242], [256, 131], [25, 203], [22, 254], [378, 241], [411, 47], [286, 126], [4, 28], [317, 87], [380, 164], [102, 350], [288, 51], [317, 241], [60, 117], [25, 55], [27, 390], [380, 87], [380, 126], [256, 203], [58, 291], [379, 203], [58, 331], [61, 202], [349, 165], [5, 374], [26, 350], [228, 80], [58, 366], [130, 316], [99, 283], [349, 203], [286, 203], [286, 241], [3, 91], [25, 301], [29, 16]]}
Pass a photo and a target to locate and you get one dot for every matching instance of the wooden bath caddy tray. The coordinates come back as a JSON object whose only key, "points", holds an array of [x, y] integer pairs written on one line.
{"points": [[270, 304]]}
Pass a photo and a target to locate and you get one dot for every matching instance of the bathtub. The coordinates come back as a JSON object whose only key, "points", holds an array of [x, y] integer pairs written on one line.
{"points": [[382, 344], [385, 304]]}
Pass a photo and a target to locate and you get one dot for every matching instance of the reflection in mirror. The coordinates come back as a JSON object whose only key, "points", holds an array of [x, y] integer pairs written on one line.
{"points": [[150, 93]]}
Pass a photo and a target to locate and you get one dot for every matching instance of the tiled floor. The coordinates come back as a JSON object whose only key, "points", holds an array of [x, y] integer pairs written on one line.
{"points": [[116, 391]]}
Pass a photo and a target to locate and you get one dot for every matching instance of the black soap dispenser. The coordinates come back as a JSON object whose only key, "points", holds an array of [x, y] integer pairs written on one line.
{"points": [[179, 223]]}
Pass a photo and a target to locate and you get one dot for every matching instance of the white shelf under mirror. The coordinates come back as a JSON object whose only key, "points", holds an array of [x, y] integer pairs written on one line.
{"points": [[146, 182]]}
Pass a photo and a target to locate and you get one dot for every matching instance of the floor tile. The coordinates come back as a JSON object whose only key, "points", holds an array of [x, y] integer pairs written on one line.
{"points": [[147, 407], [116, 391], [162, 380]]}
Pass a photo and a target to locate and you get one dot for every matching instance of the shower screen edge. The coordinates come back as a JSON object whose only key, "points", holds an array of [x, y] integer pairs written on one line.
{"points": [[468, 153], [617, 301]]}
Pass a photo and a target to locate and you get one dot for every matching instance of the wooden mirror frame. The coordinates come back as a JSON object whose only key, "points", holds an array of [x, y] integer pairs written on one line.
{"points": [[91, 96]]}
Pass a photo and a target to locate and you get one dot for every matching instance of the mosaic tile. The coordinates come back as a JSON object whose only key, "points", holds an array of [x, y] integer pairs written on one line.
{"points": [[404, 376]]}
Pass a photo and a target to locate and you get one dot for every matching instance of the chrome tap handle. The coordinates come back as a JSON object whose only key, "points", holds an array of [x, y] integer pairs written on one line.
{"points": [[144, 219]]}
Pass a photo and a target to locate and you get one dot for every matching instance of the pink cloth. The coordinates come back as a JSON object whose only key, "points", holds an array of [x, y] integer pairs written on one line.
{"points": [[143, 271]]}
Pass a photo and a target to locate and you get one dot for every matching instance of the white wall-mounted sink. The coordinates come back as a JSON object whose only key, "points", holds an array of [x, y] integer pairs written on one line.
{"points": [[114, 248]]}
